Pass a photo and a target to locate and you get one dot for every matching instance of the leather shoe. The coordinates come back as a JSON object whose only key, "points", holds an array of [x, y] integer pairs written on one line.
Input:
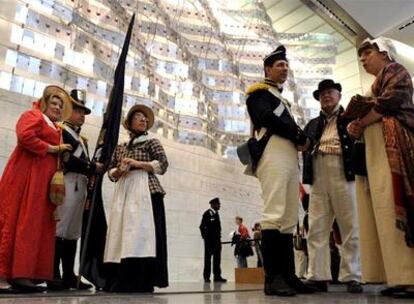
{"points": [[55, 285], [354, 287], [8, 290], [405, 294], [390, 291], [220, 280], [207, 281], [277, 286], [299, 286], [72, 283], [84, 286], [22, 287], [318, 286]]}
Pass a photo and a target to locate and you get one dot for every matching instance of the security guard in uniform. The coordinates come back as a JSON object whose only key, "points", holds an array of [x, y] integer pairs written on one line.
{"points": [[210, 229]]}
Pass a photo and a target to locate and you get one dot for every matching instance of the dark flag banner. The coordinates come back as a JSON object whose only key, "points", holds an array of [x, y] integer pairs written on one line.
{"points": [[94, 223]]}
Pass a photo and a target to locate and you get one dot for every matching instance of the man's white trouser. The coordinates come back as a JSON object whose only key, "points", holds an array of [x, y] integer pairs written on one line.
{"points": [[278, 174], [332, 197]]}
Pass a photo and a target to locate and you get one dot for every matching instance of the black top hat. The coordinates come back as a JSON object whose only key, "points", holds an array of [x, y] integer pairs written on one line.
{"points": [[215, 200], [326, 84], [78, 100], [278, 54]]}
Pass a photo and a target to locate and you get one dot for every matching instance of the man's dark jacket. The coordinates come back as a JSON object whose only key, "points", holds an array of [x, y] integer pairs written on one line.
{"points": [[314, 130], [210, 227], [261, 105], [80, 164]]}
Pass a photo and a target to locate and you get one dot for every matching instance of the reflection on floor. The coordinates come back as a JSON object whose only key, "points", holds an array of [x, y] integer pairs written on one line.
{"points": [[191, 293]]}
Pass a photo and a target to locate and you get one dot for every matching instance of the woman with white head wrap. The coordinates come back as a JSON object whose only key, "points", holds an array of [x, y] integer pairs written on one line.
{"points": [[385, 122]]}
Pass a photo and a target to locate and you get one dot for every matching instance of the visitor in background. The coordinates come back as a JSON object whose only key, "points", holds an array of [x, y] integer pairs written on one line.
{"points": [[257, 241], [242, 241]]}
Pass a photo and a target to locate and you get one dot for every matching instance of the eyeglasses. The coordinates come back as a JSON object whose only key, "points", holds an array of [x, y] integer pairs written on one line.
{"points": [[139, 116]]}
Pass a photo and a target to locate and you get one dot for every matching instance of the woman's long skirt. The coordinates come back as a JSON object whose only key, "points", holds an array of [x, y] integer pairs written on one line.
{"points": [[143, 274], [385, 256]]}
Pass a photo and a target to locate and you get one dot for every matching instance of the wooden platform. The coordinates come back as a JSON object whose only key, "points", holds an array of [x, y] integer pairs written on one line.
{"points": [[249, 275]]}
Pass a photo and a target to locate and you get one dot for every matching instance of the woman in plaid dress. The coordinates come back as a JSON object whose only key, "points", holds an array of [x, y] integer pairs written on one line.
{"points": [[136, 245]]}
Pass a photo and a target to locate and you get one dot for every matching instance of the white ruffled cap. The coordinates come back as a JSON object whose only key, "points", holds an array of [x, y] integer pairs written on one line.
{"points": [[384, 45]]}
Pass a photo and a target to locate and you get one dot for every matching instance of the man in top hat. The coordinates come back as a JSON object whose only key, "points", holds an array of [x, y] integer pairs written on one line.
{"points": [[327, 167], [277, 170], [77, 167], [210, 229]]}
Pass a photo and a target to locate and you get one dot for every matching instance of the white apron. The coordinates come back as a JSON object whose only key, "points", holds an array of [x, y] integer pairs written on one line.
{"points": [[131, 230]]}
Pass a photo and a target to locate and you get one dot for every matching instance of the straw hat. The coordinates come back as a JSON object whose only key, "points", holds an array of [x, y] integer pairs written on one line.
{"points": [[55, 91], [149, 114]]}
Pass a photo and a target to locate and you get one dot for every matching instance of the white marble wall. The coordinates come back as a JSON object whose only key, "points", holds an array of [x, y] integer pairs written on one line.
{"points": [[194, 177]]}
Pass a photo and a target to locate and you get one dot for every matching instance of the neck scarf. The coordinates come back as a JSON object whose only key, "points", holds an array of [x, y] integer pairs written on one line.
{"points": [[136, 139]]}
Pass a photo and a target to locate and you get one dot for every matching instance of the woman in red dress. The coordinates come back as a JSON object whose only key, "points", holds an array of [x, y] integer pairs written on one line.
{"points": [[27, 225]]}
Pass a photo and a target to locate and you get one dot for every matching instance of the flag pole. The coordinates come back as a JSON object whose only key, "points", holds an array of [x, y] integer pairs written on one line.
{"points": [[106, 144], [88, 228]]}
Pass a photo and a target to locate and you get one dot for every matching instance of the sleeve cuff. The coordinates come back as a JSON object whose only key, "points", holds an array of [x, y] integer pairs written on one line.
{"points": [[111, 177], [379, 109], [155, 164], [300, 138], [91, 167]]}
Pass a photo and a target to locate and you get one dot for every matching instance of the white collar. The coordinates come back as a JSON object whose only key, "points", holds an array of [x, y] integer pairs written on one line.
{"points": [[140, 139], [280, 86], [214, 211], [334, 112], [72, 127], [49, 122], [137, 140]]}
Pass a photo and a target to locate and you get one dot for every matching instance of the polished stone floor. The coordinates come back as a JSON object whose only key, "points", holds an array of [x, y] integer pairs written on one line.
{"points": [[192, 293]]}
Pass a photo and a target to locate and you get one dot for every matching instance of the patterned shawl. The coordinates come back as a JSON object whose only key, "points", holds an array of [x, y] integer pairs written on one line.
{"points": [[392, 93]]}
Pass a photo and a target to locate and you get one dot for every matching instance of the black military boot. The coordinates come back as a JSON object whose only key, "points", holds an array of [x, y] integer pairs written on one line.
{"points": [[56, 283], [70, 280], [275, 283], [289, 273]]}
